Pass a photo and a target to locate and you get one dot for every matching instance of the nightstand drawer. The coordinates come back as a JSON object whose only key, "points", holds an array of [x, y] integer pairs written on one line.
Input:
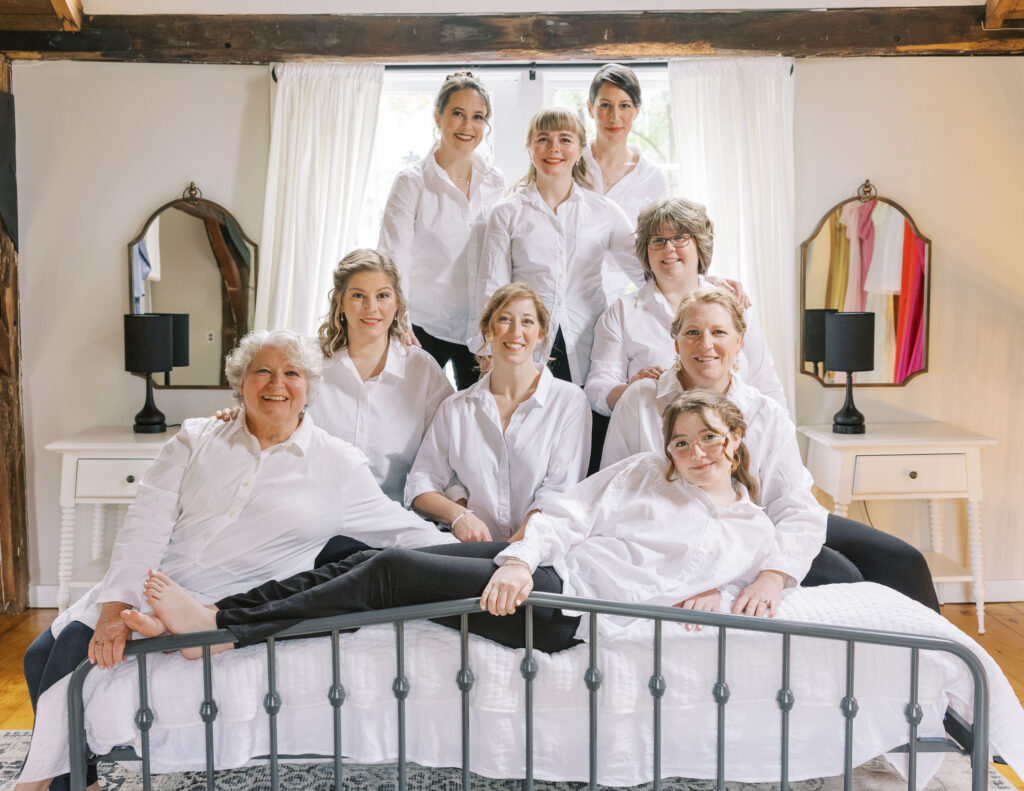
{"points": [[109, 477], [930, 473]]}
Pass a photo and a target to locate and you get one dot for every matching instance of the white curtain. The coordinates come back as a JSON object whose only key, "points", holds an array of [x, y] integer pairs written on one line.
{"points": [[732, 122], [321, 141]]}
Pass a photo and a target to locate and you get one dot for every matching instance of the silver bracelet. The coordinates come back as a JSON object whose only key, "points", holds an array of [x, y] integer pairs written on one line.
{"points": [[456, 519]]}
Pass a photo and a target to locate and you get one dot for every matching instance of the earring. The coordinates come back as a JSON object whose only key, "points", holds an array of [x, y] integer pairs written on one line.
{"points": [[677, 363], [736, 364]]}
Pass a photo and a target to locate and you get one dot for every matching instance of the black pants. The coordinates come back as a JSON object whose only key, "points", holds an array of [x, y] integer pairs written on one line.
{"points": [[857, 553], [47, 661], [462, 358], [378, 579]]}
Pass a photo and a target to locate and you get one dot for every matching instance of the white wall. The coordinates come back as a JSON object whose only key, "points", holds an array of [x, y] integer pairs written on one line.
{"points": [[100, 146], [943, 138]]}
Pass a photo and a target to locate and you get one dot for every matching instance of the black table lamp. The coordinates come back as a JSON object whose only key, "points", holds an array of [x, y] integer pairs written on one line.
{"points": [[849, 347], [179, 338], [814, 337], [149, 347]]}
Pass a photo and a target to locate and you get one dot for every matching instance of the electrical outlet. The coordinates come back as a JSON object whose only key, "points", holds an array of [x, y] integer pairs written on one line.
{"points": [[209, 337]]}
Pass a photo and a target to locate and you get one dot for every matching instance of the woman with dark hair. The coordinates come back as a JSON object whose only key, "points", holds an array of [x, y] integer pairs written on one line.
{"points": [[433, 221], [709, 330], [675, 240]]}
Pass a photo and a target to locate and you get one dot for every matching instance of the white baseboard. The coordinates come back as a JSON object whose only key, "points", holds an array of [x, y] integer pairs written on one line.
{"points": [[995, 591], [46, 595]]}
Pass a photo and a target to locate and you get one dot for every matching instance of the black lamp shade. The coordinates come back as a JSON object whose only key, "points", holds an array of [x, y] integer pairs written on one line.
{"points": [[814, 334], [148, 342], [179, 330], [850, 342]]}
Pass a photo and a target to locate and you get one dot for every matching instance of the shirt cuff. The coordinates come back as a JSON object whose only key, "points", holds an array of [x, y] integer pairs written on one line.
{"points": [[521, 550]]}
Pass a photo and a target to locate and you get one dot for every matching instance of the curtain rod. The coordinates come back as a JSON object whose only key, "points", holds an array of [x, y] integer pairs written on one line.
{"points": [[512, 65]]}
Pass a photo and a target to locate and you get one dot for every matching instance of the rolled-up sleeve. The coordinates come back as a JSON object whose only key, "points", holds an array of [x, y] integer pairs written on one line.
{"points": [[432, 469]]}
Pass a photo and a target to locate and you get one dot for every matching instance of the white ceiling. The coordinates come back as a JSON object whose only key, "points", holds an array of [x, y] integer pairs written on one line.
{"points": [[471, 6]]}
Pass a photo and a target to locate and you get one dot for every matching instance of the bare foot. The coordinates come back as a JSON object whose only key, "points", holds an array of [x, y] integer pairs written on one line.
{"points": [[175, 607], [143, 623]]}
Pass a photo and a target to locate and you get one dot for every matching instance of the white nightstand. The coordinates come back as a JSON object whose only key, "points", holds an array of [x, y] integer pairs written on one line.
{"points": [[100, 466], [906, 461]]}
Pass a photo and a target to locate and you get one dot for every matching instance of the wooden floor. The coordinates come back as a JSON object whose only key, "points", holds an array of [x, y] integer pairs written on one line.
{"points": [[1003, 639]]}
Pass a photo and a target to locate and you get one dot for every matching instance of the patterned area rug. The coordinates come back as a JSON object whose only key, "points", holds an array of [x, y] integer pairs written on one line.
{"points": [[876, 775]]}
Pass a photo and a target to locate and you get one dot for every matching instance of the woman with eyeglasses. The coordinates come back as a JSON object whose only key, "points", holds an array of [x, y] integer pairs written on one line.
{"points": [[433, 221], [710, 330], [632, 340]]}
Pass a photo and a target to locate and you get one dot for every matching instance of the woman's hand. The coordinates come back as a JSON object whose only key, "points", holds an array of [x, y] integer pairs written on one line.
{"points": [[650, 372], [106, 648], [483, 362], [735, 286], [411, 339], [762, 596], [708, 601], [507, 589], [227, 415], [469, 528]]}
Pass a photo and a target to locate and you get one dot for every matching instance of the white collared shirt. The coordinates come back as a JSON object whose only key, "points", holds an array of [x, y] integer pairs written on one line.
{"points": [[636, 333], [642, 186], [785, 484], [218, 514], [385, 417], [505, 475], [561, 257], [626, 534], [433, 233]]}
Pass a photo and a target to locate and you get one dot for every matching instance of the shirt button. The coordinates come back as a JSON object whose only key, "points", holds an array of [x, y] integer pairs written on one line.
{"points": [[207, 536], [232, 514], [245, 484]]}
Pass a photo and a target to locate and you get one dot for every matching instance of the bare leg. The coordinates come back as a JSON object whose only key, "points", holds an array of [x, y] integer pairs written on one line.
{"points": [[42, 785]]}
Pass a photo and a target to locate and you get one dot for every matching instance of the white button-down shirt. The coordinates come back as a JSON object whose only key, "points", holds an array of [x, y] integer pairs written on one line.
{"points": [[219, 515], [643, 185], [627, 534], [561, 257], [636, 333], [385, 417], [505, 475], [433, 234], [774, 461]]}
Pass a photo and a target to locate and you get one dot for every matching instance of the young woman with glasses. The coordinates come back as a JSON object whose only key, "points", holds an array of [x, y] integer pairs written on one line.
{"points": [[632, 341]]}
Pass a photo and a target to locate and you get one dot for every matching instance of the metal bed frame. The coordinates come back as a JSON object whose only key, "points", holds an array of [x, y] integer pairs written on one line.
{"points": [[719, 691]]}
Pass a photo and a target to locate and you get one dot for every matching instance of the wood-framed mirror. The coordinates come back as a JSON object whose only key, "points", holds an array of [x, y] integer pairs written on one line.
{"points": [[867, 254], [193, 257]]}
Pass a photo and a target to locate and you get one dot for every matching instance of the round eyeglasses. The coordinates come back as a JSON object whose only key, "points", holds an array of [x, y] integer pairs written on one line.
{"points": [[660, 242], [710, 442]]}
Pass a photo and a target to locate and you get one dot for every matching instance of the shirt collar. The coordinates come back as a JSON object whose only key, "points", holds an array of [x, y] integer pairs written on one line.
{"points": [[395, 365], [532, 195], [482, 387], [298, 443]]}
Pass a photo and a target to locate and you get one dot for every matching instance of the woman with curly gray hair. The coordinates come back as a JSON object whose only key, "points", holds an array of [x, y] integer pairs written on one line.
{"points": [[229, 504], [674, 242]]}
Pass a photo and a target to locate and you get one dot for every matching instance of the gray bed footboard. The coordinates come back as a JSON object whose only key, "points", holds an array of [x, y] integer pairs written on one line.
{"points": [[978, 748]]}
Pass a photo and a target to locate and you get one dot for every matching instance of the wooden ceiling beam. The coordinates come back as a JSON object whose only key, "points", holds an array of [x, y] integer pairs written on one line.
{"points": [[998, 11], [69, 12], [939, 30]]}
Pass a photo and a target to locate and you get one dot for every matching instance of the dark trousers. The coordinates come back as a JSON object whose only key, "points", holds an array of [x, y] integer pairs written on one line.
{"points": [[462, 358], [378, 579], [856, 553], [47, 661]]}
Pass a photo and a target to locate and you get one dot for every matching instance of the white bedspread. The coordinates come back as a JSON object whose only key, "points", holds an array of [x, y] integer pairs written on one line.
{"points": [[433, 709]]}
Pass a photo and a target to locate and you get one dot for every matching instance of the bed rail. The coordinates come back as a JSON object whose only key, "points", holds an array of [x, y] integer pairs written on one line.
{"points": [[592, 608]]}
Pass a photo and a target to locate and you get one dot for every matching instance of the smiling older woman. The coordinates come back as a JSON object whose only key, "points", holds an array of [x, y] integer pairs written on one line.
{"points": [[230, 504]]}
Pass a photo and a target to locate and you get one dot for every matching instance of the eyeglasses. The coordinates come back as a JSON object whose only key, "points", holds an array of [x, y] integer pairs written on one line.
{"points": [[659, 242], [711, 443]]}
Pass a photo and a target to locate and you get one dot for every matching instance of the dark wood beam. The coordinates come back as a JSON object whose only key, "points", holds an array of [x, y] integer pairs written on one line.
{"points": [[998, 11], [940, 30], [28, 15]]}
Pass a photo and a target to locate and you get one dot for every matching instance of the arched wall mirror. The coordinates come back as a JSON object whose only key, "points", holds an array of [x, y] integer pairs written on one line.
{"points": [[867, 254], [193, 257]]}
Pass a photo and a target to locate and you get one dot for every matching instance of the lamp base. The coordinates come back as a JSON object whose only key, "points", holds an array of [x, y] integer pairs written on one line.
{"points": [[848, 420], [149, 420]]}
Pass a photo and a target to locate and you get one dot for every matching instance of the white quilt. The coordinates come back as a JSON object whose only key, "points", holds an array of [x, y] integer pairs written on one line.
{"points": [[369, 713]]}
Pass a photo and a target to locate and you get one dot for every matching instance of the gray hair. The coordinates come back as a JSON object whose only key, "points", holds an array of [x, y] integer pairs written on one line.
{"points": [[301, 351], [683, 216]]}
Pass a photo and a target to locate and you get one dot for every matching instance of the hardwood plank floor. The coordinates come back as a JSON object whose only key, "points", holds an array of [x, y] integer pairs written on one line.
{"points": [[1003, 638]]}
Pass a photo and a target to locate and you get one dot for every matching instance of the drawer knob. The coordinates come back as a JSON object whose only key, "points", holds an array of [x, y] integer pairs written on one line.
{"points": [[131, 478], [913, 473]]}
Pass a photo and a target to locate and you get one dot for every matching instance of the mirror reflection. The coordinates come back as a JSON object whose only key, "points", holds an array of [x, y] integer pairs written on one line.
{"points": [[193, 257], [867, 254]]}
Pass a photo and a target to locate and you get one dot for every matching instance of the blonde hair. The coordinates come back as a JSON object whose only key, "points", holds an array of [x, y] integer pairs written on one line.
{"points": [[709, 296], [699, 402], [557, 119], [683, 216], [333, 333], [512, 292]]}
